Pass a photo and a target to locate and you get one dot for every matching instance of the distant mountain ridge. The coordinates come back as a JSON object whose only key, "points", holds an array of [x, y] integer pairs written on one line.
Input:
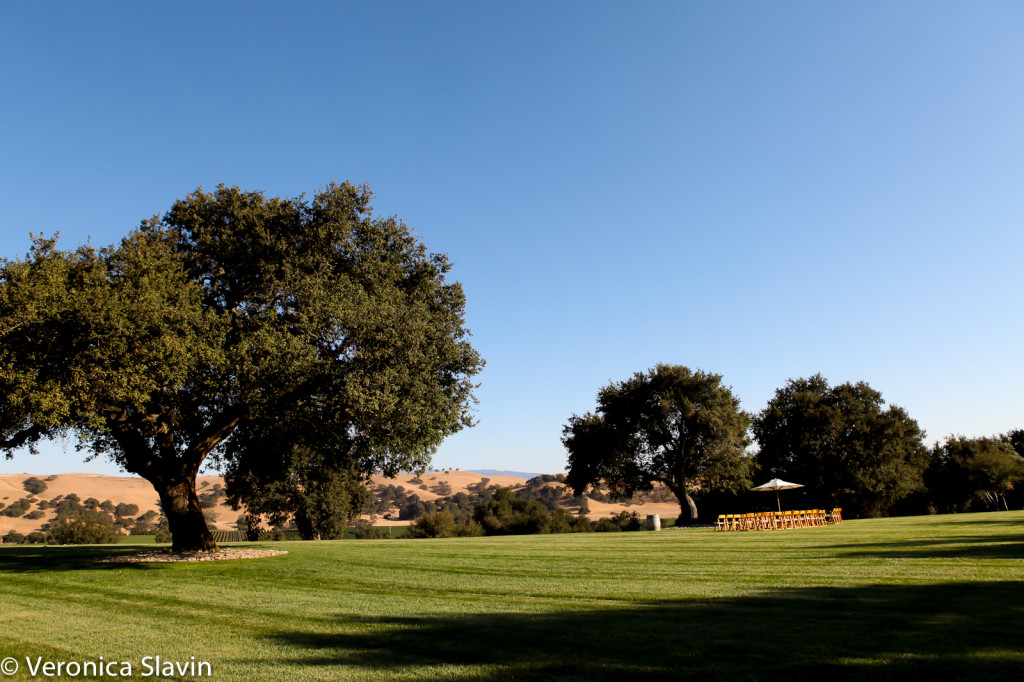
{"points": [[502, 472]]}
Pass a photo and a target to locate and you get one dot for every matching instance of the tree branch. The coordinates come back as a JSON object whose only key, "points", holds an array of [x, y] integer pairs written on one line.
{"points": [[23, 437]]}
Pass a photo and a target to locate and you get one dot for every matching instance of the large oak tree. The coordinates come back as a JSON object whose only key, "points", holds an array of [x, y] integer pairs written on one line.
{"points": [[671, 425], [842, 443], [236, 311]]}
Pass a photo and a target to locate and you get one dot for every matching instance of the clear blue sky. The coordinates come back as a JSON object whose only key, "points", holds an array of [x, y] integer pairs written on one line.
{"points": [[763, 190]]}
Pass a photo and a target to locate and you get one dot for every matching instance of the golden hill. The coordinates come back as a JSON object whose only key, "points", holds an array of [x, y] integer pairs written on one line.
{"points": [[138, 491]]}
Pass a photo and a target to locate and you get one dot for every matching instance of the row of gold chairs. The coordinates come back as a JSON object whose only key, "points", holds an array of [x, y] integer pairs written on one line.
{"points": [[774, 520]]}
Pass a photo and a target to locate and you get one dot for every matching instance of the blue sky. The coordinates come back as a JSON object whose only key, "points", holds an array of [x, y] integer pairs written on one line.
{"points": [[761, 190]]}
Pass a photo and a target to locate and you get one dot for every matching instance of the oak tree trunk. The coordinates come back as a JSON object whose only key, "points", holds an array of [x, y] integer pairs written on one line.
{"points": [[185, 518], [687, 507]]}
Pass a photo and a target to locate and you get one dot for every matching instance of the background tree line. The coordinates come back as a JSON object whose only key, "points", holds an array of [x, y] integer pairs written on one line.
{"points": [[684, 429]]}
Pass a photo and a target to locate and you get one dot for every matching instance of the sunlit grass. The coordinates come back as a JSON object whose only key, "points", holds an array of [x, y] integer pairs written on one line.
{"points": [[937, 597]]}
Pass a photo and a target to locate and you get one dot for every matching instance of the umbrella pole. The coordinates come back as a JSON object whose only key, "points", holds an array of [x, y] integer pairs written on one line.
{"points": [[777, 499]]}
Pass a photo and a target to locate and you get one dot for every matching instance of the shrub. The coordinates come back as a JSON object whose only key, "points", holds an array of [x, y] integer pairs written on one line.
{"points": [[33, 485], [91, 503], [83, 527], [36, 538], [33, 515], [581, 524], [107, 506], [413, 509], [629, 521], [507, 514], [439, 525], [366, 531], [13, 537], [606, 526], [68, 504], [561, 521], [126, 510], [468, 529], [17, 508], [162, 536]]}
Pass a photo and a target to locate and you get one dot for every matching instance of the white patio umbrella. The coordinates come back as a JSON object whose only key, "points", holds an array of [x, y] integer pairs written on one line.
{"points": [[777, 484]]}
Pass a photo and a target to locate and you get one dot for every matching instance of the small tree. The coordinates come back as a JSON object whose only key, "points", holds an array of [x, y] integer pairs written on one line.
{"points": [[671, 425], [125, 509], [439, 525], [82, 527], [17, 508], [34, 485], [13, 537]]}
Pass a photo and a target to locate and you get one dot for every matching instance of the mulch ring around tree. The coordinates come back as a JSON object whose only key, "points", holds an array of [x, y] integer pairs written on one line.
{"points": [[166, 555]]}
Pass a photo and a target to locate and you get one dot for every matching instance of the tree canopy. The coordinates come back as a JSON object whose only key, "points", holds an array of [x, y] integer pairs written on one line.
{"points": [[671, 425], [841, 444], [968, 470], [233, 311]]}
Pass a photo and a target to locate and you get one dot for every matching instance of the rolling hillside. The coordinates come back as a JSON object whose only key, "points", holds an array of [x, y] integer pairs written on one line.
{"points": [[132, 490]]}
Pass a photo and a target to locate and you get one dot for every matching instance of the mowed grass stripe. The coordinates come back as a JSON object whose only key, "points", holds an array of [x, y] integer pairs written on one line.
{"points": [[887, 598]]}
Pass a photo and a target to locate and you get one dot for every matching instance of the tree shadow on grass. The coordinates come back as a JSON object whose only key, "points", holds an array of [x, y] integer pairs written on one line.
{"points": [[42, 558], [961, 631], [952, 547]]}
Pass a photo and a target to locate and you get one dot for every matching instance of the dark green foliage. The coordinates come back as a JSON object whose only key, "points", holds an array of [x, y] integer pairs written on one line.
{"points": [[443, 525], [211, 499], [366, 531], [414, 508], [433, 525], [1016, 440], [968, 471], [13, 537], [125, 523], [35, 538], [387, 497], [607, 525], [560, 521], [149, 523], [35, 514], [506, 514], [671, 425], [629, 521], [33, 485], [68, 504], [841, 445], [17, 508], [107, 506], [302, 485], [581, 524], [233, 312], [82, 527], [123, 509], [537, 489]]}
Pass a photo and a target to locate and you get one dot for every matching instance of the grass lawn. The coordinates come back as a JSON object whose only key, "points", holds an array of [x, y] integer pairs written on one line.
{"points": [[928, 597]]}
